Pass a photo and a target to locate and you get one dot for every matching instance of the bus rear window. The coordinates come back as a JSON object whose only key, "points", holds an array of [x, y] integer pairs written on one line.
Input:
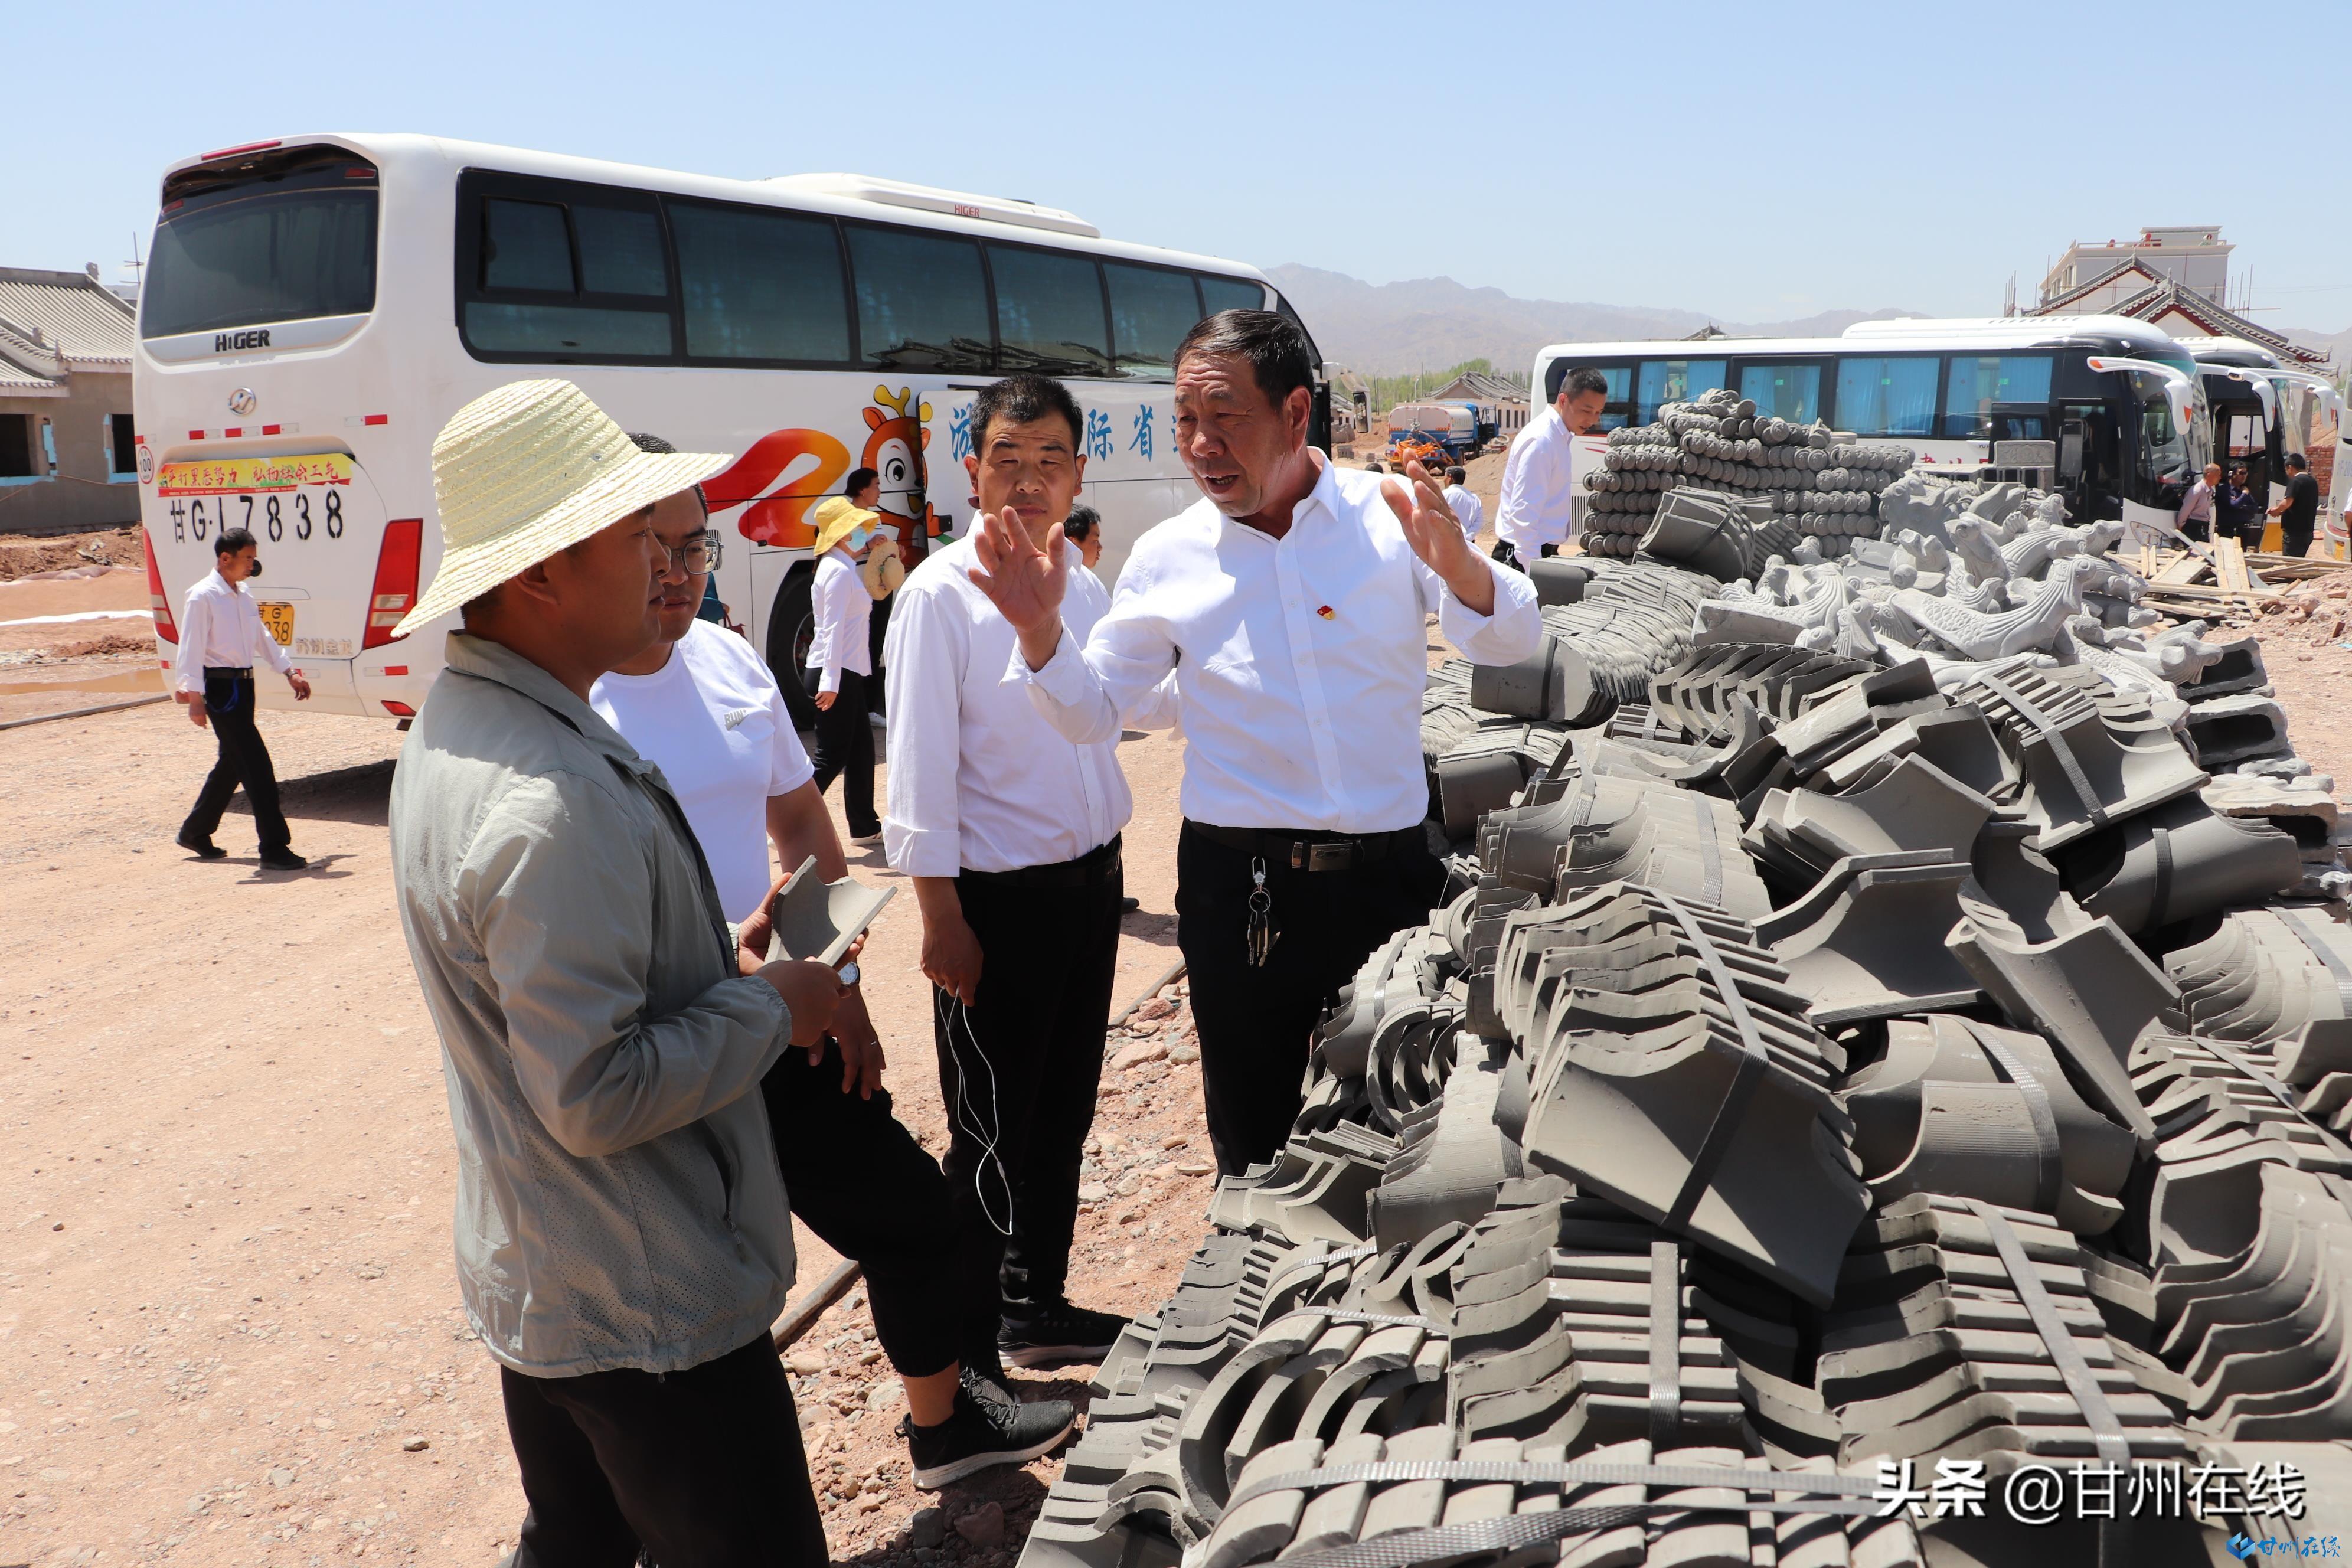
{"points": [[283, 239]]}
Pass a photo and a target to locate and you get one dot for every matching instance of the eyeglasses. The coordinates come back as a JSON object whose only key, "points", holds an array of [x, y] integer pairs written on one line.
{"points": [[697, 555]]}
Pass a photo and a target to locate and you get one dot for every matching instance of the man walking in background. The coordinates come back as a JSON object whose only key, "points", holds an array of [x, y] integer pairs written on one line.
{"points": [[221, 635], [622, 1238], [1289, 603], [1532, 514], [1467, 507], [1011, 833]]}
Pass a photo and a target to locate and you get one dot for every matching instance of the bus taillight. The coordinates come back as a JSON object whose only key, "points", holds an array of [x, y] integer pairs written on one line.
{"points": [[395, 579], [165, 627]]}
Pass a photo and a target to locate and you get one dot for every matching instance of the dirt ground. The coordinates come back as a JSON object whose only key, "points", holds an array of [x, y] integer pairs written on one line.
{"points": [[229, 1330]]}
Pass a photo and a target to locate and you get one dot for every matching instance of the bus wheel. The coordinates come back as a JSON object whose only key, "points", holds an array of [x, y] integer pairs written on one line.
{"points": [[792, 627]]}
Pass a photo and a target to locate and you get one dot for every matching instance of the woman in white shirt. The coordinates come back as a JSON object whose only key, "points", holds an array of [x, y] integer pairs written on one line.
{"points": [[840, 661]]}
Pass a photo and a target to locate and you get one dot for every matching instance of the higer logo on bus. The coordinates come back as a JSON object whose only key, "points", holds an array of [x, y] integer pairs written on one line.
{"points": [[235, 343]]}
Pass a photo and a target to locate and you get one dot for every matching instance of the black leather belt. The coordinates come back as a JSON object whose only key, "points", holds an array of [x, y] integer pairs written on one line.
{"points": [[227, 674], [1090, 869], [1309, 850]]}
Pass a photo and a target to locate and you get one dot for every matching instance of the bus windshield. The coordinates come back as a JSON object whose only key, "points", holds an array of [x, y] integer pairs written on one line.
{"points": [[2169, 455], [281, 243]]}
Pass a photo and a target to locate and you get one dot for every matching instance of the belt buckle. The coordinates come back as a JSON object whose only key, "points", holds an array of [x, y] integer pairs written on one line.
{"points": [[1337, 856]]}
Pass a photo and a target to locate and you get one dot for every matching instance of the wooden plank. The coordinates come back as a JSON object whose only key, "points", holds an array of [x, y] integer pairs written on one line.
{"points": [[2231, 556], [2182, 567]]}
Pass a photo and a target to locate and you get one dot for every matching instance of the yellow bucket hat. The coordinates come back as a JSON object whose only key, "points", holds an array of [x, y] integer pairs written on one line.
{"points": [[835, 517], [528, 469]]}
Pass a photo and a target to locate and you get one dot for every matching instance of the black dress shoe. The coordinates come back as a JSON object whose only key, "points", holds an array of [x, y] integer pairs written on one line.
{"points": [[201, 848], [1129, 905], [282, 861]]}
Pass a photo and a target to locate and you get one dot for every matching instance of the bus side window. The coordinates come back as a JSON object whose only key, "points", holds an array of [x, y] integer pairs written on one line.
{"points": [[1791, 392], [524, 247], [578, 277], [1229, 294], [1976, 381], [1049, 312], [922, 302], [1664, 381], [1151, 309], [761, 285]]}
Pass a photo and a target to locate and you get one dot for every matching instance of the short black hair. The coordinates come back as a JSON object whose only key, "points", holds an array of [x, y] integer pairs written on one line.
{"points": [[1022, 399], [1457, 473], [661, 448], [1275, 346], [1580, 382], [858, 480], [2294, 461], [1374, 466], [1083, 521], [229, 540]]}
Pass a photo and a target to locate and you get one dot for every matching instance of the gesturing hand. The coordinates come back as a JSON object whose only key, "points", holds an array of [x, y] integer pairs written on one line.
{"points": [[1436, 536], [1026, 584]]}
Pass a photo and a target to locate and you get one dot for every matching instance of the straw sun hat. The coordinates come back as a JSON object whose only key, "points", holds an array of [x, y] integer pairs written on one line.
{"points": [[529, 470], [835, 518]]}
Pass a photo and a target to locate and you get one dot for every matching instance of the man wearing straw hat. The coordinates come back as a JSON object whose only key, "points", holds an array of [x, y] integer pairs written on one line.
{"points": [[622, 1238]]}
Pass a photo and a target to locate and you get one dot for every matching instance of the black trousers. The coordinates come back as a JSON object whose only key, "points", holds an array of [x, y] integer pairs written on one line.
{"points": [[700, 1468], [845, 750], [2295, 541], [857, 1177], [1018, 1072], [243, 760], [2198, 528], [1254, 1021]]}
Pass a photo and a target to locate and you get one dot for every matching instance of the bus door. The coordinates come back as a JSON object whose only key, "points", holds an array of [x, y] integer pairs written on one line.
{"points": [[2090, 467]]}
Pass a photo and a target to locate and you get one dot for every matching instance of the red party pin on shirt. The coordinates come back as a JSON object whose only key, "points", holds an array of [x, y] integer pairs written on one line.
{"points": [[1327, 611]]}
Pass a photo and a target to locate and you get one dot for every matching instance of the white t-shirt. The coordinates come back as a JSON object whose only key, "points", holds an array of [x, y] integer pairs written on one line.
{"points": [[713, 721]]}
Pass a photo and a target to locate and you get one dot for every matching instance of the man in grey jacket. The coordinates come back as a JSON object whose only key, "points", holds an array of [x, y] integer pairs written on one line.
{"points": [[622, 1237]]}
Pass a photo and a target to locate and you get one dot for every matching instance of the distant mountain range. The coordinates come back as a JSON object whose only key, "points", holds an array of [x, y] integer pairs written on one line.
{"points": [[1390, 329], [1429, 323]]}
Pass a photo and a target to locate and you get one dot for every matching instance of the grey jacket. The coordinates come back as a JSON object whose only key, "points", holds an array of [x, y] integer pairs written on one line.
{"points": [[618, 1200]]}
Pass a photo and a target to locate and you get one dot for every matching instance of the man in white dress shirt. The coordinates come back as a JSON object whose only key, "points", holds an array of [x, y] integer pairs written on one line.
{"points": [[221, 635], [1290, 605], [841, 659], [1531, 514], [1467, 507], [1012, 835]]}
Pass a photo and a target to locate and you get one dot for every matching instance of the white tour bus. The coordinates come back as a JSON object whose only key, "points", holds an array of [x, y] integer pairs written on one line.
{"points": [[2123, 404], [314, 309]]}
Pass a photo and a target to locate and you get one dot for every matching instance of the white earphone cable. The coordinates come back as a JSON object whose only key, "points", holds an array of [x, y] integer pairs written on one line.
{"points": [[952, 1012]]}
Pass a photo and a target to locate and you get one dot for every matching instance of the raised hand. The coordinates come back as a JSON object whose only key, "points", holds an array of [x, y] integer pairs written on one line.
{"points": [[1026, 584], [1436, 536]]}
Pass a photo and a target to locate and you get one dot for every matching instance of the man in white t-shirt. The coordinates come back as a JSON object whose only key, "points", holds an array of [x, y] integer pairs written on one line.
{"points": [[707, 712]]}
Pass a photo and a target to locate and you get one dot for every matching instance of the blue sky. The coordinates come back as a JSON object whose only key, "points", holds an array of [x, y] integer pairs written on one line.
{"points": [[1757, 162]]}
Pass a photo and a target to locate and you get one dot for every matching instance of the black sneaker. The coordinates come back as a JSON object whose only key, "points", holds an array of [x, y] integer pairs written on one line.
{"points": [[1049, 1333], [282, 861], [201, 848], [984, 1430]]}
